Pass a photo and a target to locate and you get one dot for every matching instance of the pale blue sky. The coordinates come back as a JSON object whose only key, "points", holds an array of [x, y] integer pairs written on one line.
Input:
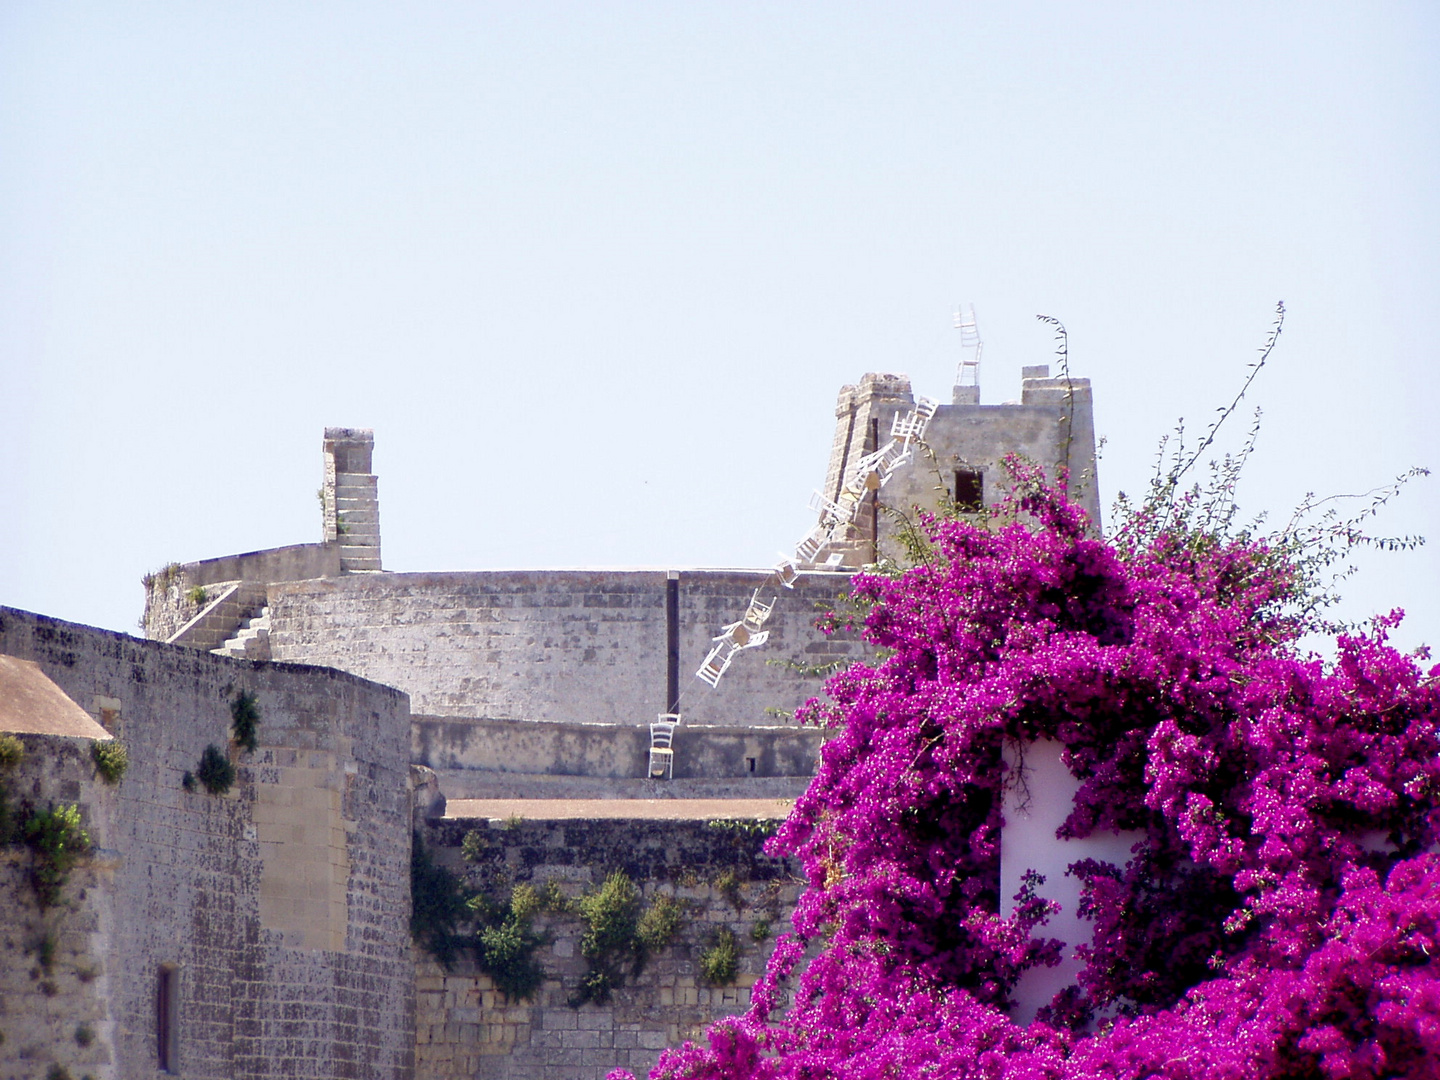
{"points": [[594, 273]]}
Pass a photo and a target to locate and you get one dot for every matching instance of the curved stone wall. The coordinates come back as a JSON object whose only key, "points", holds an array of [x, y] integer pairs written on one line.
{"points": [[587, 646]]}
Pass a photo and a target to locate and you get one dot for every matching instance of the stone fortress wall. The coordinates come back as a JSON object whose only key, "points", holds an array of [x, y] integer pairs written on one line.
{"points": [[280, 909], [466, 1029], [576, 646], [572, 649]]}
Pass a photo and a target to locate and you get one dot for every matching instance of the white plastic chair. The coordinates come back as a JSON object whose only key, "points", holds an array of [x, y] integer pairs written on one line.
{"points": [[716, 663], [834, 513], [911, 425], [758, 611], [786, 571], [662, 751], [811, 546]]}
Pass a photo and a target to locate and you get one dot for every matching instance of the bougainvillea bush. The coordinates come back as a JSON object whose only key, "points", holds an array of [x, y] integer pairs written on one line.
{"points": [[1278, 920]]}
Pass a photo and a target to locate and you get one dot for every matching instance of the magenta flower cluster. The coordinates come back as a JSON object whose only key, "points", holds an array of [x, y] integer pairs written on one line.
{"points": [[1278, 920]]}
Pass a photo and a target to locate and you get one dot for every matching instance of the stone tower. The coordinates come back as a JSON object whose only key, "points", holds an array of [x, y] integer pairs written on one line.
{"points": [[352, 499], [1052, 424]]}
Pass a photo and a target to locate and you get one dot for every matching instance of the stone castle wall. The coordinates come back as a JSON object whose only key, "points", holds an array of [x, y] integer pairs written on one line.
{"points": [[281, 907], [54, 982], [574, 646], [468, 1030], [1051, 425], [172, 600]]}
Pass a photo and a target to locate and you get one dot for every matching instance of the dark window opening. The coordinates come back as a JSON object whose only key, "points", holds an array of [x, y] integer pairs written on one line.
{"points": [[672, 641], [751, 762], [969, 490], [165, 1020]]}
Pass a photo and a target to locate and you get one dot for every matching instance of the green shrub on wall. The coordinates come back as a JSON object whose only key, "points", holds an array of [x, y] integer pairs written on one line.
{"points": [[610, 941], [56, 841], [659, 923], [12, 751], [720, 963], [111, 759], [245, 717], [448, 916], [215, 771], [505, 947], [620, 934]]}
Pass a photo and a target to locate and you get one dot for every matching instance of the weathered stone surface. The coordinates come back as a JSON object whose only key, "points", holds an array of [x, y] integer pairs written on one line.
{"points": [[190, 880], [468, 1030], [579, 646], [612, 751], [1052, 425]]}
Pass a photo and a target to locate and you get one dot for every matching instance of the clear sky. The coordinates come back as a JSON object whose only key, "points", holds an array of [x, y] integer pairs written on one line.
{"points": [[595, 272]]}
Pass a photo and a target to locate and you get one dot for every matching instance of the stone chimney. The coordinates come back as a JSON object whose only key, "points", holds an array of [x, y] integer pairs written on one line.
{"points": [[352, 500]]}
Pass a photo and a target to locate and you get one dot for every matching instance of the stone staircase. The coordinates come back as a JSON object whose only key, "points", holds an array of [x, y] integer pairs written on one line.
{"points": [[251, 640]]}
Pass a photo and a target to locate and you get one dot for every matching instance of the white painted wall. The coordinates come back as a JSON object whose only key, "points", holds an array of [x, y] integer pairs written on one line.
{"points": [[1034, 811]]}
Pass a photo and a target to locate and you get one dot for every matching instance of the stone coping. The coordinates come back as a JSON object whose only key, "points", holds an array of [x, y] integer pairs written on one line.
{"points": [[625, 809]]}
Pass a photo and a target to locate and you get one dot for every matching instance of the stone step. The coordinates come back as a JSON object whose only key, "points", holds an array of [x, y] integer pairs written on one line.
{"points": [[251, 639]]}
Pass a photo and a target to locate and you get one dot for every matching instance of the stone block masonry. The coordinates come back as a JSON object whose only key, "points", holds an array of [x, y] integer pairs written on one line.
{"points": [[578, 646], [1051, 425], [466, 1029], [279, 910], [351, 497]]}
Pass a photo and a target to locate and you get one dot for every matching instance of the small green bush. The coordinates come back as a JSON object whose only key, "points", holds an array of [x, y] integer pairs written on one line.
{"points": [[187, 780], [721, 962], [760, 930], [554, 900], [12, 751], [245, 714], [84, 1035], [728, 884], [58, 1072], [111, 759], [612, 915], [56, 841], [659, 923], [525, 902], [505, 950], [215, 771], [197, 595], [476, 845]]}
